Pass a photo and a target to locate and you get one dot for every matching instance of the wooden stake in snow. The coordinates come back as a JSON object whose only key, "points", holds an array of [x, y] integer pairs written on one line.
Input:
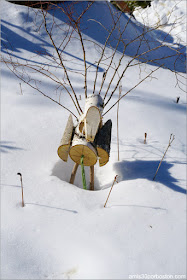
{"points": [[171, 139], [145, 138], [115, 180], [63, 149], [21, 189], [21, 89], [92, 178], [120, 89], [74, 171]]}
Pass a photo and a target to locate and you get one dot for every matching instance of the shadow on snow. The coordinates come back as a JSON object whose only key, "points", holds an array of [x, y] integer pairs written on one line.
{"points": [[127, 170], [100, 14], [140, 169], [168, 56], [4, 148], [13, 43]]}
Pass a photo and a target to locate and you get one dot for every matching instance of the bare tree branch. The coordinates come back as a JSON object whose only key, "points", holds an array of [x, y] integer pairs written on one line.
{"points": [[131, 89], [61, 62]]}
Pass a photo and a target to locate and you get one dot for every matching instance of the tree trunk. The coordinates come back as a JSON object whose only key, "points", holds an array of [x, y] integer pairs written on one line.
{"points": [[102, 142], [80, 147], [63, 149], [93, 116]]}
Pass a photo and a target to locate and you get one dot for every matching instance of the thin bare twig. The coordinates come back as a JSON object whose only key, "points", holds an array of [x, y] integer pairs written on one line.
{"points": [[115, 180], [61, 62], [120, 89], [171, 139], [131, 89], [34, 87], [84, 58], [103, 51]]}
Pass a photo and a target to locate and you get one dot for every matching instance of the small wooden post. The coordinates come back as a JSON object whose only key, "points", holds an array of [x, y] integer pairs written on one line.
{"points": [[23, 204], [145, 138], [171, 139], [115, 180], [92, 178], [72, 179], [120, 89], [21, 89]]}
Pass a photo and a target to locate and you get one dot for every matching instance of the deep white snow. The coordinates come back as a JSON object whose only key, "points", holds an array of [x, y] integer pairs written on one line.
{"points": [[64, 232]]}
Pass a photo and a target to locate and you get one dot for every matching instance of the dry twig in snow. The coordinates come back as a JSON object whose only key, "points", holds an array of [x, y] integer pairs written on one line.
{"points": [[171, 139]]}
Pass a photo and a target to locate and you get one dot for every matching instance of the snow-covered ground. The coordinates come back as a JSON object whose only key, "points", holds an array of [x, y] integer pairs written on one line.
{"points": [[64, 232], [169, 15]]}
